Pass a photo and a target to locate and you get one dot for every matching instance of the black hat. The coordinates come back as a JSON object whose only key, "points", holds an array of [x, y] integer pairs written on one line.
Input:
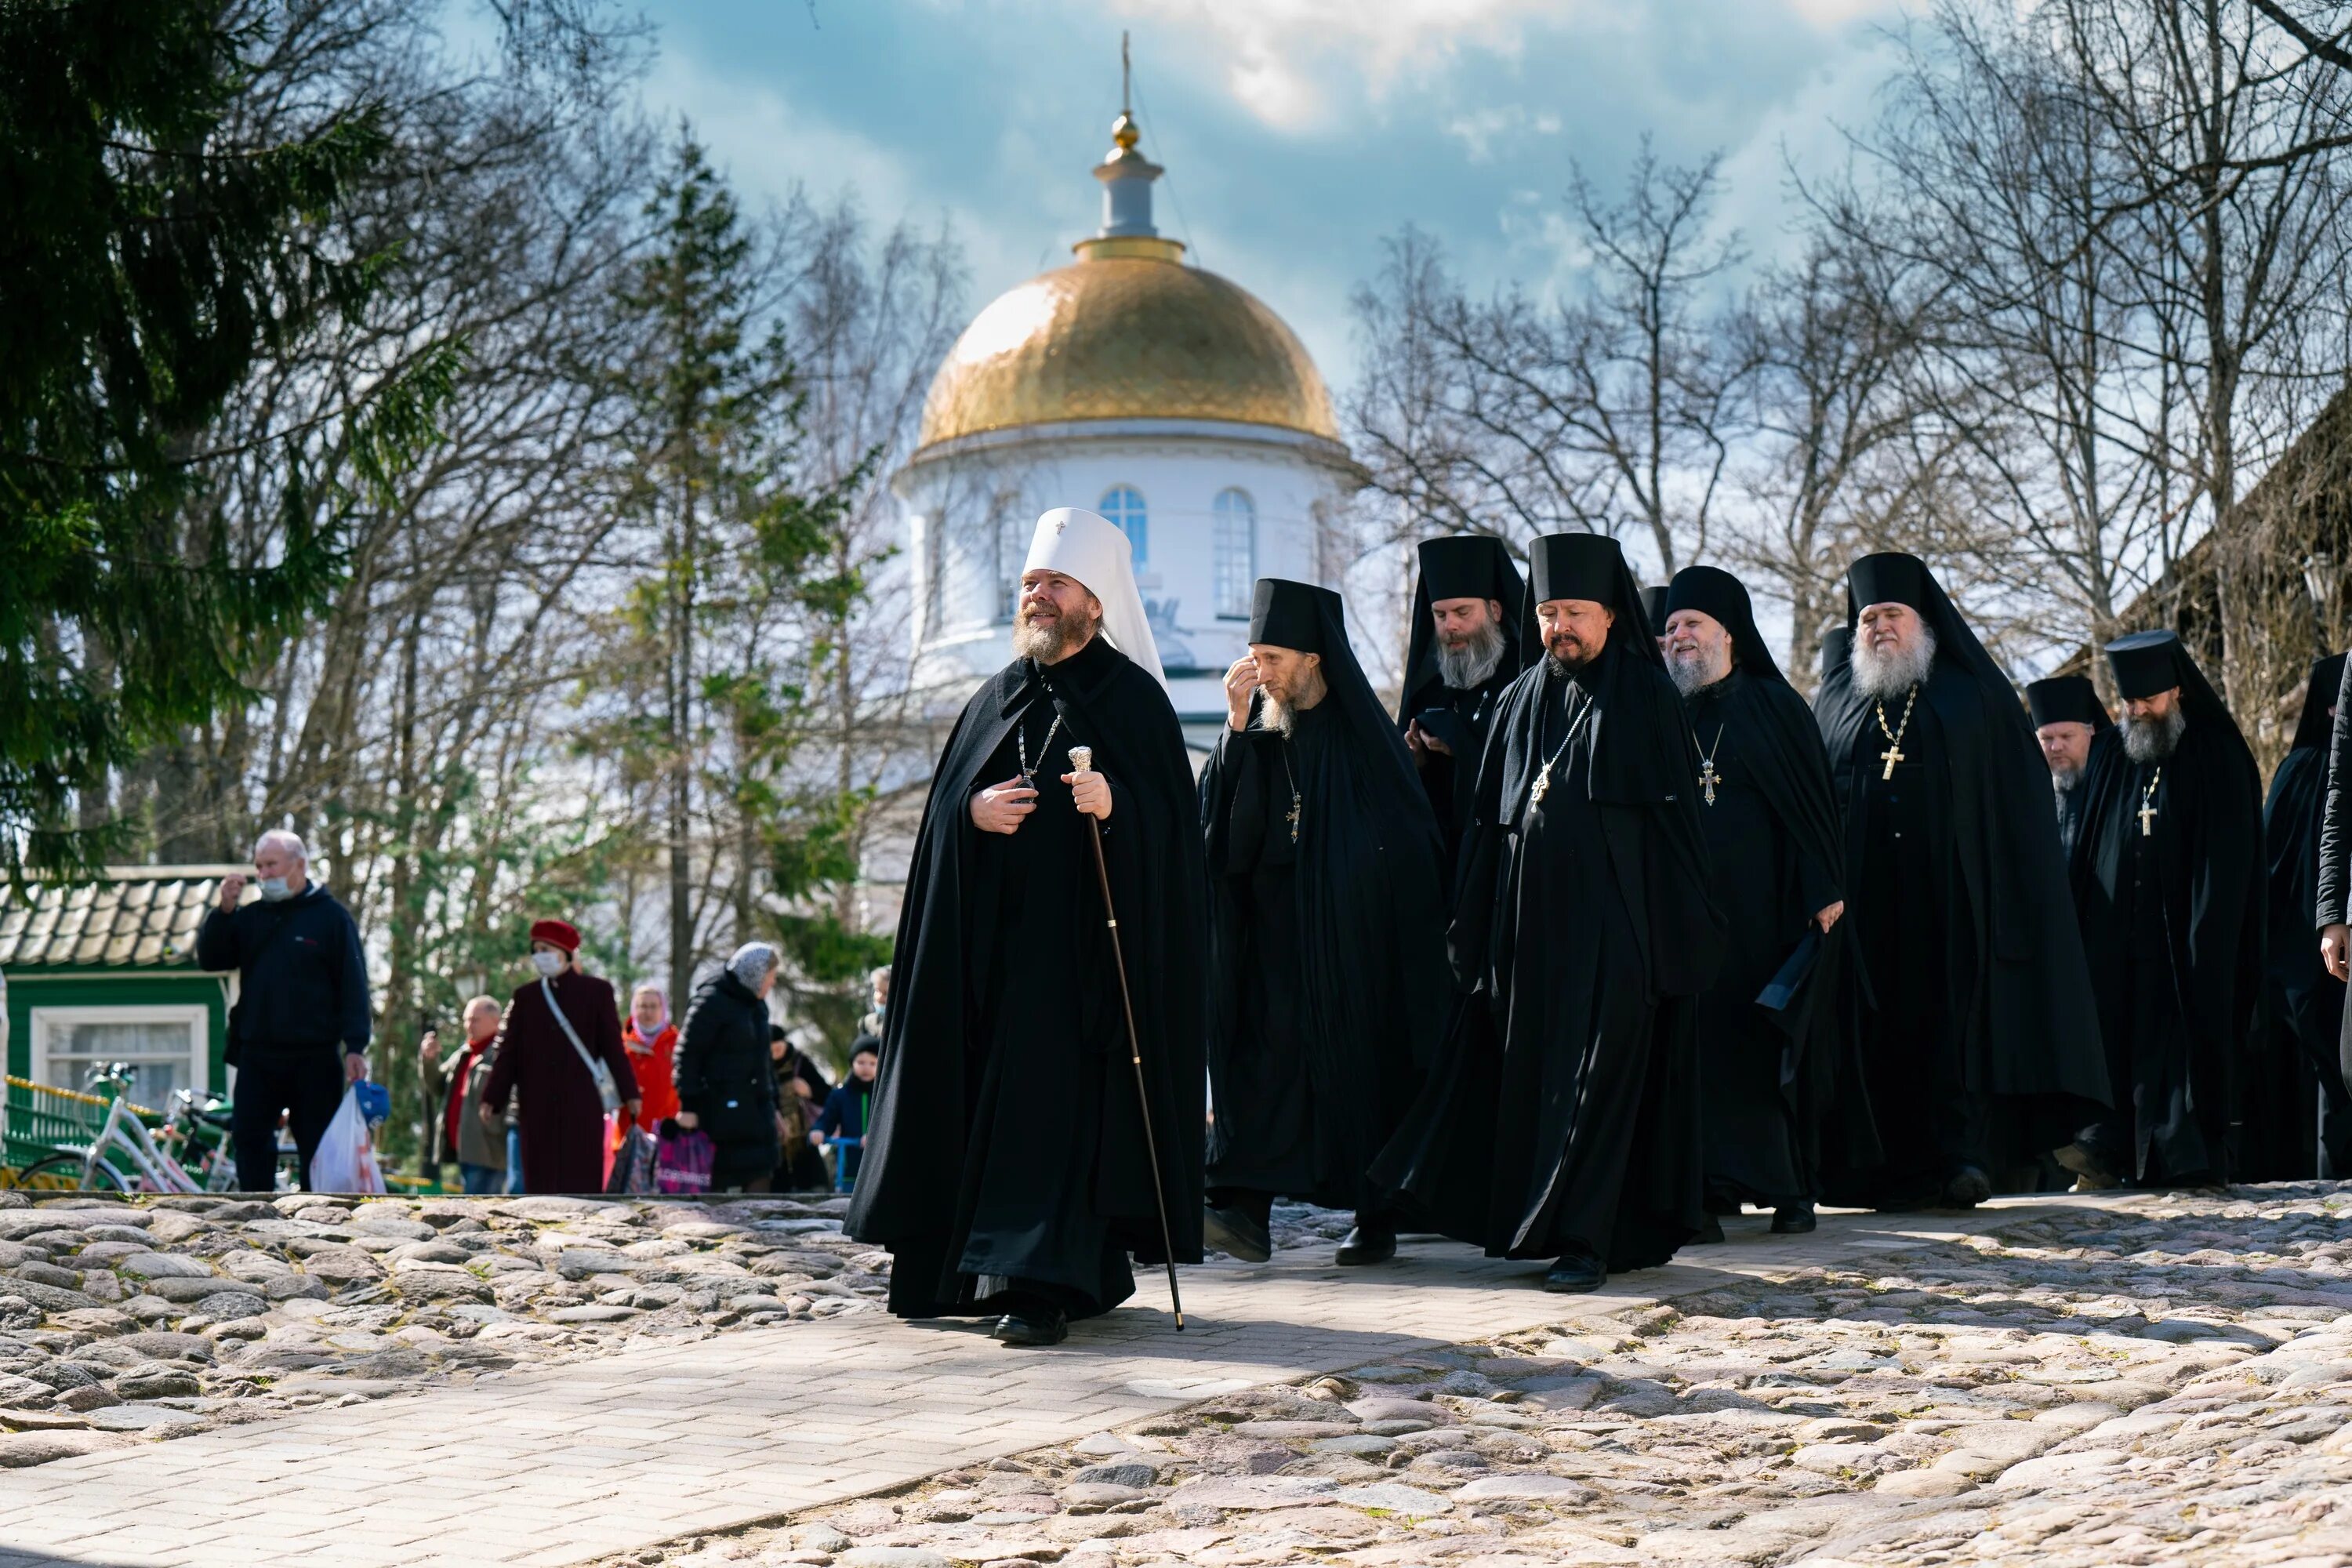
{"points": [[1716, 593], [1890, 577], [2319, 694], [2066, 700], [1467, 566], [1837, 648], [1283, 614], [1653, 607], [1575, 567], [2146, 663]]}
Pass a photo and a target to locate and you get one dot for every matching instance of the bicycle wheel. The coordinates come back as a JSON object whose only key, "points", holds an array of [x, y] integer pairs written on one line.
{"points": [[63, 1172]]}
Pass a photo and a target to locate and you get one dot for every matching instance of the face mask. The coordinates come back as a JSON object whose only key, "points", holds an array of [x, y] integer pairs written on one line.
{"points": [[549, 964], [274, 889]]}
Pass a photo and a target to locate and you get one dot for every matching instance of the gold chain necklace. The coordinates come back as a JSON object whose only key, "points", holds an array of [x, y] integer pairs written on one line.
{"points": [[1893, 753]]}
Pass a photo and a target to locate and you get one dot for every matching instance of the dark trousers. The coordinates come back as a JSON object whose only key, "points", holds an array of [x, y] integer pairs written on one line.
{"points": [[306, 1082]]}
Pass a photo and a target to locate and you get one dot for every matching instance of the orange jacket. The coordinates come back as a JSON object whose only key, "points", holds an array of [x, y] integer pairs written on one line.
{"points": [[653, 1065]]}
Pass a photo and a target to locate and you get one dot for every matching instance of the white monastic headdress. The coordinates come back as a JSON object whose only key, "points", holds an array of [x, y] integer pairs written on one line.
{"points": [[1079, 544]]}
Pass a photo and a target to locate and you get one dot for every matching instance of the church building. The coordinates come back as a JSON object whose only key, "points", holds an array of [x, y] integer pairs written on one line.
{"points": [[1132, 383]]}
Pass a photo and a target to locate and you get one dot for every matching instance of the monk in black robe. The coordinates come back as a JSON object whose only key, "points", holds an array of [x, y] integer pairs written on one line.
{"points": [[1837, 647], [1653, 613], [1562, 1119], [2067, 717], [1768, 1055], [1005, 1163], [2169, 890], [2306, 1012], [1326, 930], [1465, 650], [1979, 1040]]}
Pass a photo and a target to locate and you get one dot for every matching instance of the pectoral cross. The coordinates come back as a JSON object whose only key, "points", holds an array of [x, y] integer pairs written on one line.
{"points": [[1709, 778], [1891, 756], [2146, 814], [1543, 783], [1291, 816]]}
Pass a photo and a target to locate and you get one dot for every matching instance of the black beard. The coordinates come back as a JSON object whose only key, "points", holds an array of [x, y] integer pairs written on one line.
{"points": [[1557, 665]]}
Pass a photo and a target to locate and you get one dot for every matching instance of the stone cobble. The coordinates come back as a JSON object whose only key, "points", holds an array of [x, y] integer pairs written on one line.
{"points": [[2163, 1381], [128, 1321]]}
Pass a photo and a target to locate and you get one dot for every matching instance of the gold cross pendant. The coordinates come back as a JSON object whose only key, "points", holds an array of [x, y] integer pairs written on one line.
{"points": [[2146, 814], [1543, 783], [1293, 819], [1890, 758], [1709, 778]]}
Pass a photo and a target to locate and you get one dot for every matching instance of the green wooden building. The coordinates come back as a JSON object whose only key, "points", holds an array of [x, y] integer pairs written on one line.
{"points": [[106, 970]]}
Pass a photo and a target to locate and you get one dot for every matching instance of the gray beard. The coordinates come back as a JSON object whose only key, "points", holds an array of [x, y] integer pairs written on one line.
{"points": [[2063, 780], [1275, 715], [2154, 740], [1470, 665], [1884, 675], [1051, 640], [1690, 677]]}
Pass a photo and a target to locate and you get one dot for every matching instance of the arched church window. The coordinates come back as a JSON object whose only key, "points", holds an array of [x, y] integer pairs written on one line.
{"points": [[1123, 506], [1236, 552]]}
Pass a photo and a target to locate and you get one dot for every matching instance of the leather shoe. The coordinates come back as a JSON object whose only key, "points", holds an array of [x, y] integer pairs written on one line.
{"points": [[1967, 1189], [1367, 1243], [2091, 1173], [1576, 1274], [1031, 1326], [1794, 1219], [1229, 1230], [1708, 1235]]}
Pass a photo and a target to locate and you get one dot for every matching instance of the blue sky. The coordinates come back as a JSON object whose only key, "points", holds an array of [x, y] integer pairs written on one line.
{"points": [[1298, 133]]}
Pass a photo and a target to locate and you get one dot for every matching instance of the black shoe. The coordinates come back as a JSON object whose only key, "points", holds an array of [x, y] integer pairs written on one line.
{"points": [[1967, 1189], [1367, 1243], [1794, 1219], [1230, 1230], [1576, 1274], [2091, 1173], [1033, 1326], [1708, 1235]]}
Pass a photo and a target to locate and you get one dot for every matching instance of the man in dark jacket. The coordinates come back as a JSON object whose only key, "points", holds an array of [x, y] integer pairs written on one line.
{"points": [[299, 1030], [725, 1084]]}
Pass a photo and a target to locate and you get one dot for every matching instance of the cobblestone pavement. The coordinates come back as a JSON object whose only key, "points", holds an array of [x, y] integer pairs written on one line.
{"points": [[2139, 1380]]}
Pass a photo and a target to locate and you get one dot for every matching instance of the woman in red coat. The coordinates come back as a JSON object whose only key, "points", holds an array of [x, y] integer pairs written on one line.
{"points": [[563, 1115]]}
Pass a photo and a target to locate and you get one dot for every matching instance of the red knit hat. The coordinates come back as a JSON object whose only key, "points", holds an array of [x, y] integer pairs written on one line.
{"points": [[557, 932]]}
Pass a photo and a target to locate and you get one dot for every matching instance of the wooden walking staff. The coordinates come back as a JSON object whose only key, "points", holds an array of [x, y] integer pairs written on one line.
{"points": [[1082, 758]]}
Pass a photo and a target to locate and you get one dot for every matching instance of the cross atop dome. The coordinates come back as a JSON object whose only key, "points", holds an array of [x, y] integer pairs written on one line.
{"points": [[1127, 175]]}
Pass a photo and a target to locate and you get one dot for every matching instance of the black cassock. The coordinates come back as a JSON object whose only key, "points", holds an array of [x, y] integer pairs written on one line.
{"points": [[1766, 1076], [1564, 1111], [1006, 1149], [1459, 566], [2170, 905], [1461, 717], [2306, 1013], [1328, 948], [1969, 1001]]}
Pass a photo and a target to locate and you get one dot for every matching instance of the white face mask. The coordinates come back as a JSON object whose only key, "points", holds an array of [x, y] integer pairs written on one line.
{"points": [[549, 964], [274, 889]]}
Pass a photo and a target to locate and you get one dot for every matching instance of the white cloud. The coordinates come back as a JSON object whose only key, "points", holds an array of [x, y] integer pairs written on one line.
{"points": [[1481, 130]]}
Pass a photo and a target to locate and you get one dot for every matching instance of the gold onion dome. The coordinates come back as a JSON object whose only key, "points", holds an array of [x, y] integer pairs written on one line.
{"points": [[1129, 331]]}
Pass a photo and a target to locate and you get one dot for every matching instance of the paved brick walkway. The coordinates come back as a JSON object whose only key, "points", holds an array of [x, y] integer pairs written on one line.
{"points": [[576, 1462]]}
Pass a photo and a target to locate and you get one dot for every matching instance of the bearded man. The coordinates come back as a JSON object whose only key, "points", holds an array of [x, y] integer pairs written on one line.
{"points": [[1465, 650], [1326, 930], [2305, 1004], [1005, 1162], [2170, 902], [2067, 717], [1563, 1118], [1979, 1040], [1769, 1056]]}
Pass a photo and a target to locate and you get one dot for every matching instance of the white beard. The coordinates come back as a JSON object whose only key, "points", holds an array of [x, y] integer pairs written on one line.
{"points": [[2154, 740], [2063, 780], [1884, 675], [1274, 715], [1473, 661]]}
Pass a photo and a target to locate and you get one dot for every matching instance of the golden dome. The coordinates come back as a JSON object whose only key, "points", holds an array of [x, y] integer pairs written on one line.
{"points": [[1127, 332]]}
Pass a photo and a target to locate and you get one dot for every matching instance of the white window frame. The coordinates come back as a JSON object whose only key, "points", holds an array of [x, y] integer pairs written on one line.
{"points": [[1141, 551], [1221, 513], [196, 1015]]}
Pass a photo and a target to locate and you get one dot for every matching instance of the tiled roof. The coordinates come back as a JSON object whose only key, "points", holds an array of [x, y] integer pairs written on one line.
{"points": [[143, 916]]}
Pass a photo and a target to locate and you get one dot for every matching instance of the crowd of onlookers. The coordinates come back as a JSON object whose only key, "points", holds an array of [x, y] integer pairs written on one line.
{"points": [[545, 1089]]}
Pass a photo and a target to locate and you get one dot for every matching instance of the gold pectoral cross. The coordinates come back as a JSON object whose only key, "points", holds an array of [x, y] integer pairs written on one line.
{"points": [[1708, 778], [1543, 783], [2146, 814], [1891, 756], [1292, 817]]}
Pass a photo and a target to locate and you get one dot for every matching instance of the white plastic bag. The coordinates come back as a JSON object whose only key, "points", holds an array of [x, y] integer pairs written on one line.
{"points": [[345, 1161]]}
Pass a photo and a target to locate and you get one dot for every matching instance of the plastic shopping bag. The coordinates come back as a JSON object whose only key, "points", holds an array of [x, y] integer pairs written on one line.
{"points": [[684, 1161], [346, 1160], [632, 1164]]}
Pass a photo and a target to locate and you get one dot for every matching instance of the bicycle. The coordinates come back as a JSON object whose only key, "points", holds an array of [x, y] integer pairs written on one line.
{"points": [[124, 1157]]}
